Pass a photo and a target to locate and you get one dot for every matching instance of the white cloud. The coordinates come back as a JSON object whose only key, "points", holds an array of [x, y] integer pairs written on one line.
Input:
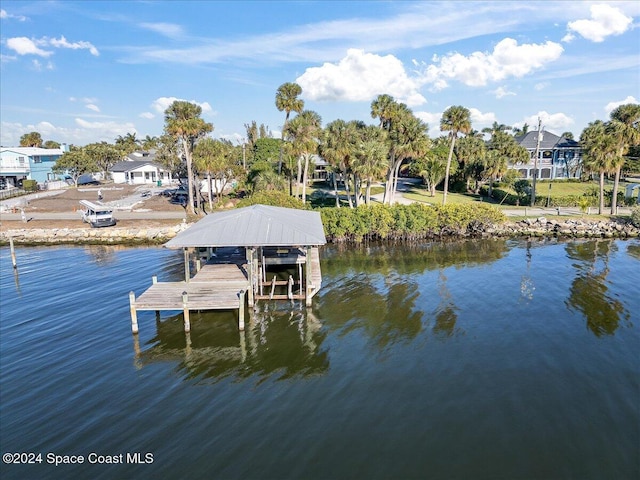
{"points": [[611, 106], [605, 21], [147, 115], [39, 66], [162, 103], [479, 120], [93, 107], [431, 119], [550, 121], [108, 130], [508, 59], [501, 92], [26, 46], [63, 43], [541, 86], [170, 30], [4, 15], [360, 77]]}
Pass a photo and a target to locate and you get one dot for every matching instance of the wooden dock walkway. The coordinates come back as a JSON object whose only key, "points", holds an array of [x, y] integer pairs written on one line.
{"points": [[217, 286]]}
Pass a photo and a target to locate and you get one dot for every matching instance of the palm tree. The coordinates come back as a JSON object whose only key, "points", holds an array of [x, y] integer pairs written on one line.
{"points": [[31, 139], [384, 108], [496, 127], [182, 121], [304, 134], [520, 132], [456, 119], [625, 128], [337, 149], [600, 151], [287, 100], [128, 143], [370, 159]]}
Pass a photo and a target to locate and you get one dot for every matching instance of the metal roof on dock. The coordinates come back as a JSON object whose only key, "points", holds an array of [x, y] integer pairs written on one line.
{"points": [[254, 226]]}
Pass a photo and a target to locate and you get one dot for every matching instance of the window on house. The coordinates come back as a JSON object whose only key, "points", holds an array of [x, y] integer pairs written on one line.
{"points": [[37, 159], [21, 160]]}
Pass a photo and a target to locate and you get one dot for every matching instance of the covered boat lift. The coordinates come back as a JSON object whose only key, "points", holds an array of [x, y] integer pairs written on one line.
{"points": [[237, 253]]}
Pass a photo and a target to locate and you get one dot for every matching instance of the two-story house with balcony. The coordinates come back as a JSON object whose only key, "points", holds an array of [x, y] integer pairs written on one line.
{"points": [[21, 163], [558, 157]]}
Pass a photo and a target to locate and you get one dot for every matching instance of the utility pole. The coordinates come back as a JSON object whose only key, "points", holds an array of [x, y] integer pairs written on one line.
{"points": [[535, 163]]}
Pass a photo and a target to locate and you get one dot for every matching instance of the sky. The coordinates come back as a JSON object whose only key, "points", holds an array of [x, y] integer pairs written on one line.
{"points": [[87, 71]]}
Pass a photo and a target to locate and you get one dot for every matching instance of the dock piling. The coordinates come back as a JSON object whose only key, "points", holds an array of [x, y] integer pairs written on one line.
{"points": [[134, 314], [13, 253], [241, 310], [185, 309]]}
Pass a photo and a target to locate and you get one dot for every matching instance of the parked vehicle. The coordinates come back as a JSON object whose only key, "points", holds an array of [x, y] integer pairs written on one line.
{"points": [[97, 215]]}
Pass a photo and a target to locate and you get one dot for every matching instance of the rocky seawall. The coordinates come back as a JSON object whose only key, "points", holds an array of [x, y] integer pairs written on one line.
{"points": [[570, 228], [539, 227], [115, 236]]}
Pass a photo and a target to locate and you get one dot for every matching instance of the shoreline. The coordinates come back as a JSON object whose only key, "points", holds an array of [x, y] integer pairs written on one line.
{"points": [[539, 227]]}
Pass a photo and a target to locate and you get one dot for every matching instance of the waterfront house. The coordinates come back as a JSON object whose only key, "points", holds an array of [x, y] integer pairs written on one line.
{"points": [[32, 163], [558, 157]]}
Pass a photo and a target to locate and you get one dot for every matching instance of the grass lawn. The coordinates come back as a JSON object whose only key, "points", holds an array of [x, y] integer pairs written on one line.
{"points": [[420, 194]]}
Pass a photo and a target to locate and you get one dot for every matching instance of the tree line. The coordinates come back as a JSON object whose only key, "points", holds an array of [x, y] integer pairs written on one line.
{"points": [[358, 155]]}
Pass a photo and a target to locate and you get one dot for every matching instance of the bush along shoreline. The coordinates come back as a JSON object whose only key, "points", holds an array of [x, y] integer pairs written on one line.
{"points": [[376, 222]]}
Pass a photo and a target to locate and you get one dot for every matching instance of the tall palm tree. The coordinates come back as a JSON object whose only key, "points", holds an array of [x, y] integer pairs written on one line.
{"points": [[625, 128], [456, 119], [371, 158], [337, 149], [304, 133], [287, 100], [183, 122], [600, 151]]}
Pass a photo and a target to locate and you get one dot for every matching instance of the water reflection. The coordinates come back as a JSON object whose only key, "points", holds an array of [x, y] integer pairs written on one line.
{"points": [[526, 283], [446, 314], [276, 343], [589, 289]]}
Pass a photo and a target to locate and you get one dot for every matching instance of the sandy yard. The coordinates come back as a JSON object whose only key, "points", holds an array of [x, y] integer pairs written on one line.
{"points": [[68, 202]]}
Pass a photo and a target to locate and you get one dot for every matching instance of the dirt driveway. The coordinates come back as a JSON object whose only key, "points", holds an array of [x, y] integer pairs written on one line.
{"points": [[42, 212]]}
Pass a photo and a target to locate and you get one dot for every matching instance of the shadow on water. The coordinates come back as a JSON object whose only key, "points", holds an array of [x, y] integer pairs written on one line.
{"points": [[589, 290], [277, 344]]}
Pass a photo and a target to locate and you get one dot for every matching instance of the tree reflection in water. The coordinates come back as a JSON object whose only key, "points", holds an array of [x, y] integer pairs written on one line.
{"points": [[589, 289]]}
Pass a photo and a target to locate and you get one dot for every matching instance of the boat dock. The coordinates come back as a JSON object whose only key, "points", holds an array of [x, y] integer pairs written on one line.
{"points": [[240, 257]]}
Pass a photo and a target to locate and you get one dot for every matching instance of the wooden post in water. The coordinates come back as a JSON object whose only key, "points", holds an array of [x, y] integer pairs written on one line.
{"points": [[241, 310], [308, 286], [185, 310], [273, 287], [134, 314], [13, 253], [290, 289], [187, 274]]}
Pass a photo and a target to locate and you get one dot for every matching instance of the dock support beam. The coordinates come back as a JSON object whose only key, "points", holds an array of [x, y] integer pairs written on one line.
{"points": [[308, 286], [241, 310], [134, 314], [185, 310]]}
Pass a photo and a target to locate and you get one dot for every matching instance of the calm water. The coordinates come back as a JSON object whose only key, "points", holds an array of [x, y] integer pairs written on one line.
{"points": [[473, 360]]}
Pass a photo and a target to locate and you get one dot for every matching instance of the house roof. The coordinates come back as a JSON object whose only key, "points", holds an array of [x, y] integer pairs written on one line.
{"points": [[33, 151], [254, 226], [128, 165], [548, 141]]}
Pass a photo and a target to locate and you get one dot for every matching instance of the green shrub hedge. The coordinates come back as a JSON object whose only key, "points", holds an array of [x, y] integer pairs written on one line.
{"points": [[30, 185], [406, 222], [635, 216]]}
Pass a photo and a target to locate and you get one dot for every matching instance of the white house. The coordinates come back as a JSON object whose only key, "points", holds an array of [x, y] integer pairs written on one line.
{"points": [[139, 168]]}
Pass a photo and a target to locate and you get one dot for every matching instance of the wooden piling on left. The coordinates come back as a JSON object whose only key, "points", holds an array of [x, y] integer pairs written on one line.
{"points": [[13, 253], [134, 314]]}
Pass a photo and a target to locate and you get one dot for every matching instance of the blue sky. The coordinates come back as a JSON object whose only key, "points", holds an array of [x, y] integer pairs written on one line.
{"points": [[82, 72]]}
